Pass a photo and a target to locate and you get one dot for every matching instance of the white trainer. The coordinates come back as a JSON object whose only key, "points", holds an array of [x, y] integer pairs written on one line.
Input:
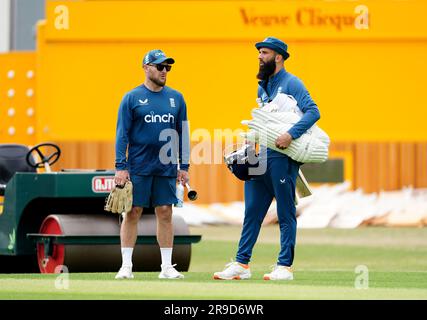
{"points": [[169, 272], [124, 273], [279, 273], [233, 271]]}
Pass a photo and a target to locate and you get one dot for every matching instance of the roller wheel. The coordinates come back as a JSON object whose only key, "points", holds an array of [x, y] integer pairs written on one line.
{"points": [[104, 258], [50, 225]]}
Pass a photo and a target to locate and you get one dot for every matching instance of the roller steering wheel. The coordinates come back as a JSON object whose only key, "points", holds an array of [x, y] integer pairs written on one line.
{"points": [[46, 161]]}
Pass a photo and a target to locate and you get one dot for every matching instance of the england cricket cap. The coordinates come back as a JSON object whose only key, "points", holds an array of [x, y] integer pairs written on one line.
{"points": [[156, 57], [274, 44]]}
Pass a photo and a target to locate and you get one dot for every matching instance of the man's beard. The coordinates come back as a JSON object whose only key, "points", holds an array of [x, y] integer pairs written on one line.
{"points": [[266, 70], [158, 82]]}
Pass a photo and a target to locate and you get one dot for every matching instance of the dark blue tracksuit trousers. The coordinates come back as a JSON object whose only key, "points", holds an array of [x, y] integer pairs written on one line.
{"points": [[277, 182]]}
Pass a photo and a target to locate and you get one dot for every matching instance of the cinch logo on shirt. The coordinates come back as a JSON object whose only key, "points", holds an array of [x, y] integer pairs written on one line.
{"points": [[164, 118]]}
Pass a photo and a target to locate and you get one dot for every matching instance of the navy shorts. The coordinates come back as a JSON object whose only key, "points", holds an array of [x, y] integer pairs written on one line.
{"points": [[153, 191]]}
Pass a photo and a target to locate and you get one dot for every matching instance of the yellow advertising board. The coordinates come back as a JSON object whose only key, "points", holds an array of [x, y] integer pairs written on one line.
{"points": [[362, 61]]}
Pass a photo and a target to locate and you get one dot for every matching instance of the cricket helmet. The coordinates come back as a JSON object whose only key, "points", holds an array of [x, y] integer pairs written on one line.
{"points": [[240, 159]]}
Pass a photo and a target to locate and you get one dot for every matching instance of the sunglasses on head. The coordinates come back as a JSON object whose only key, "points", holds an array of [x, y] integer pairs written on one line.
{"points": [[160, 67]]}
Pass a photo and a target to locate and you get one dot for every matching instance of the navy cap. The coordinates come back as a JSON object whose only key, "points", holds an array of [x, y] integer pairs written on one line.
{"points": [[274, 44], [157, 56]]}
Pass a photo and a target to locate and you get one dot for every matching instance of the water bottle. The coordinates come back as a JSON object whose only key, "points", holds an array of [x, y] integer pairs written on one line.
{"points": [[180, 195]]}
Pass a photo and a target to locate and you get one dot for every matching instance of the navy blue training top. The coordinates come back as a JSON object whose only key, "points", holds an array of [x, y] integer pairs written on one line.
{"points": [[153, 128], [285, 82]]}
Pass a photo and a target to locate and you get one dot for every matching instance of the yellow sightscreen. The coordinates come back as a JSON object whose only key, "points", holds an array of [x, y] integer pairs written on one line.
{"points": [[363, 62], [17, 98]]}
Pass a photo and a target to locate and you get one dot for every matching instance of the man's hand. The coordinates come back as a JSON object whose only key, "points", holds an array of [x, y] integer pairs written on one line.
{"points": [[283, 141], [121, 177], [182, 177]]}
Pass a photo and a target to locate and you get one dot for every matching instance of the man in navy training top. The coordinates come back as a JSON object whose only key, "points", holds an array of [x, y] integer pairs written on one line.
{"points": [[279, 179], [149, 114]]}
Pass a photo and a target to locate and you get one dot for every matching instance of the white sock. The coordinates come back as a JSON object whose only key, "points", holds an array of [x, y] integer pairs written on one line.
{"points": [[166, 256], [127, 257]]}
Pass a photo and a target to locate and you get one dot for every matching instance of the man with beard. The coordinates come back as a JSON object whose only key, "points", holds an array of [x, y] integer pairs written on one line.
{"points": [[279, 179], [146, 114]]}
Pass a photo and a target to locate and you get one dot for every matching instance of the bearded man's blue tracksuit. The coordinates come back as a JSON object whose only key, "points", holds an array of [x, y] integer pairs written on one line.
{"points": [[279, 180]]}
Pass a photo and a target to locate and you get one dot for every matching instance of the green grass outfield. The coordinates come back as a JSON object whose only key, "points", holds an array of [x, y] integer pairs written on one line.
{"points": [[325, 265]]}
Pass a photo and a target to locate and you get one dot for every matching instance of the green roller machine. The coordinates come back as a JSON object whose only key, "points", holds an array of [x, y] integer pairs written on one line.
{"points": [[51, 219]]}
